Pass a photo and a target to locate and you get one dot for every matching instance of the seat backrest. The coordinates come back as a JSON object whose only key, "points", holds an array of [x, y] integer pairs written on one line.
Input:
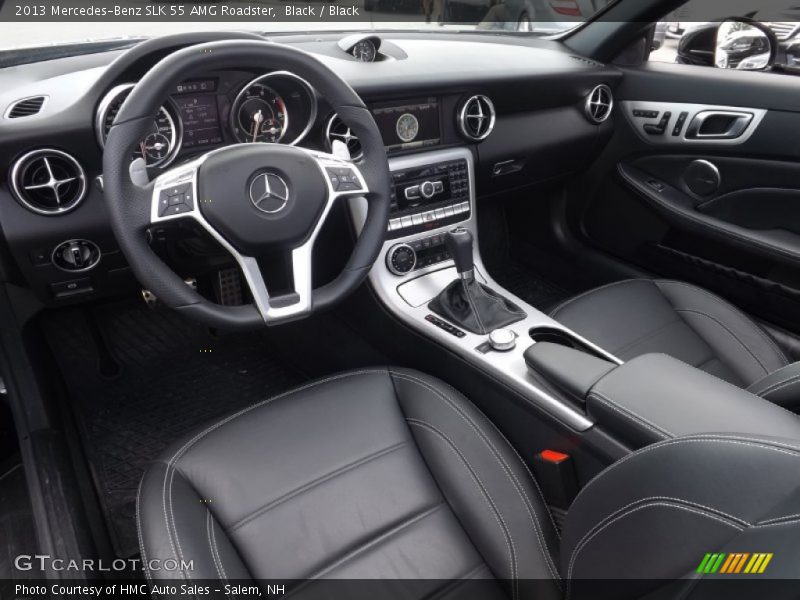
{"points": [[655, 516]]}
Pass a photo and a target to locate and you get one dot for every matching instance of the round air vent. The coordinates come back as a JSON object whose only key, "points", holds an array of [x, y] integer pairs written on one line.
{"points": [[476, 118], [599, 104], [338, 130], [48, 182]]}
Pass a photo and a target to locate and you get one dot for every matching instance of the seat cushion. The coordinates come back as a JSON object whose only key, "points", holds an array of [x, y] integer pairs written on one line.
{"points": [[640, 316], [375, 474]]}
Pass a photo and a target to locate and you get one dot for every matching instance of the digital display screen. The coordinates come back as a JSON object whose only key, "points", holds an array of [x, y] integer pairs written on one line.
{"points": [[200, 116], [412, 124], [201, 86]]}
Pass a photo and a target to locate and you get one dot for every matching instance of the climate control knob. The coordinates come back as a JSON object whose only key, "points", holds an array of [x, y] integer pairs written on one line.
{"points": [[401, 259]]}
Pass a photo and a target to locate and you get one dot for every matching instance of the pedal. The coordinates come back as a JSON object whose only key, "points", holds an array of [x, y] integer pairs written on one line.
{"points": [[151, 300], [228, 287]]}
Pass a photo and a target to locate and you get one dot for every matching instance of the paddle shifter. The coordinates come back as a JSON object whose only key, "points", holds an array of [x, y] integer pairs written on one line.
{"points": [[467, 303]]}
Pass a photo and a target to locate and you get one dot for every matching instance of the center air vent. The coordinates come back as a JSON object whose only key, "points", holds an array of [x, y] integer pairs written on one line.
{"points": [[27, 107], [48, 182], [476, 118], [599, 104]]}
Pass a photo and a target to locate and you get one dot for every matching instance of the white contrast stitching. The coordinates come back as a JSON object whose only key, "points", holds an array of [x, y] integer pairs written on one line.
{"points": [[703, 438], [212, 544], [487, 497], [660, 431], [172, 463], [577, 550], [500, 460]]}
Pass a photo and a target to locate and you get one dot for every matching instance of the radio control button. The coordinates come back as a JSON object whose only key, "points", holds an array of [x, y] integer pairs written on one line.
{"points": [[412, 192], [427, 189], [416, 219], [448, 212], [439, 212], [428, 216], [406, 222], [438, 187]]}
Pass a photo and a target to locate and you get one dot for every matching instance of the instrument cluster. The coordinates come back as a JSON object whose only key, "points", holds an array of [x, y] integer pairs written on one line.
{"points": [[200, 114]]}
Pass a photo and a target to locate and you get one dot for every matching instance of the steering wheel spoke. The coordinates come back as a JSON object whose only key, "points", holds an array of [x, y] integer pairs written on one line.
{"points": [[175, 196], [256, 200]]}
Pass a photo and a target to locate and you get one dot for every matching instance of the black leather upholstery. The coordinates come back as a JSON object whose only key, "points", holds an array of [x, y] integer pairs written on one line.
{"points": [[641, 316], [655, 397], [692, 495], [371, 474], [392, 475]]}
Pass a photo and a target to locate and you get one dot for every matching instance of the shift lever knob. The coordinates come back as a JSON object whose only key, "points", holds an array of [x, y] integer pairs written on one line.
{"points": [[459, 243]]}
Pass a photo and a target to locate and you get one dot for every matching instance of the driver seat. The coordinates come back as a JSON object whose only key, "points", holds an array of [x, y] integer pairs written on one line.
{"points": [[390, 479]]}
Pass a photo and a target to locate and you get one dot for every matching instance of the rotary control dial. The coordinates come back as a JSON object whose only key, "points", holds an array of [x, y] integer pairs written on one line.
{"points": [[401, 259]]}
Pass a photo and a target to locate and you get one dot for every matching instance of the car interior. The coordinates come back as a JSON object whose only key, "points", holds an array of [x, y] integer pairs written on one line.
{"points": [[407, 314]]}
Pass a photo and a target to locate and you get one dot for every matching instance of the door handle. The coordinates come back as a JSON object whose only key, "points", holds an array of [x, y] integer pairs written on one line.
{"points": [[718, 125]]}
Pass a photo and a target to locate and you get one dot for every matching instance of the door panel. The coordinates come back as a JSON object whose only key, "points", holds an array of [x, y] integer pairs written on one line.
{"points": [[722, 212]]}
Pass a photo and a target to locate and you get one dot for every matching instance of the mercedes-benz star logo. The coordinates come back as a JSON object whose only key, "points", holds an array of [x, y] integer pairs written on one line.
{"points": [[269, 193]]}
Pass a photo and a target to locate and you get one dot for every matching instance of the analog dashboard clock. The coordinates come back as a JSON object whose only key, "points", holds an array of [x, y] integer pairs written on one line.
{"points": [[407, 128]]}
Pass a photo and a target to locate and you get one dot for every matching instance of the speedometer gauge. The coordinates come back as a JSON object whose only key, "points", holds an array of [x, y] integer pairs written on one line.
{"points": [[259, 115]]}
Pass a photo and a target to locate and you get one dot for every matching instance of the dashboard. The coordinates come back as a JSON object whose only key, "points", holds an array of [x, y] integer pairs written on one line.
{"points": [[218, 109], [426, 91]]}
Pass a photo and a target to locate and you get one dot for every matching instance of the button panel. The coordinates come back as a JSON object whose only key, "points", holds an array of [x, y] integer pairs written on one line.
{"points": [[429, 197], [343, 179], [445, 326], [176, 200]]}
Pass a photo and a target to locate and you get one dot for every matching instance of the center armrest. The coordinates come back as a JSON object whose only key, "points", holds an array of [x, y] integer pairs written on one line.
{"points": [[655, 397]]}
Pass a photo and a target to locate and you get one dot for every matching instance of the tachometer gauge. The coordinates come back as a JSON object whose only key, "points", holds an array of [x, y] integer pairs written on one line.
{"points": [[259, 115], [407, 128], [365, 51], [159, 147]]}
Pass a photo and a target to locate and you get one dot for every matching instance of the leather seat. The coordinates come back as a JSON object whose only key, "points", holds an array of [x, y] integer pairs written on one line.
{"points": [[394, 482], [641, 316]]}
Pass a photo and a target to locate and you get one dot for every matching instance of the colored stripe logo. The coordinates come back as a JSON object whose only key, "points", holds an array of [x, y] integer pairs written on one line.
{"points": [[734, 563]]}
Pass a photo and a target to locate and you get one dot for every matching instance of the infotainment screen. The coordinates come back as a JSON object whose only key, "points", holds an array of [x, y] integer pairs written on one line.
{"points": [[200, 116], [408, 125]]}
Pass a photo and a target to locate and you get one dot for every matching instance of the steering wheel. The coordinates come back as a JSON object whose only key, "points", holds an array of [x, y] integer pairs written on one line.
{"points": [[254, 199]]}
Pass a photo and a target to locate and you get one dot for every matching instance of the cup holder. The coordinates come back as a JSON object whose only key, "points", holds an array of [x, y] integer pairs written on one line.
{"points": [[552, 335]]}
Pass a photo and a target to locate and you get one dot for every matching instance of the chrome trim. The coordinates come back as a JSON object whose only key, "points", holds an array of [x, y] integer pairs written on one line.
{"points": [[462, 117], [85, 269], [312, 95], [177, 128], [592, 102], [740, 124], [391, 252], [301, 256], [329, 142], [15, 173], [508, 367], [691, 110], [11, 106]]}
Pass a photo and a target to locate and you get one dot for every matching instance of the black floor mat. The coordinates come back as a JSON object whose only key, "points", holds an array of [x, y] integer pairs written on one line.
{"points": [[522, 281], [160, 377], [17, 529]]}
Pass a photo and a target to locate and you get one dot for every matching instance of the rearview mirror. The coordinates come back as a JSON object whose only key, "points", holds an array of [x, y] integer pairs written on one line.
{"points": [[744, 45]]}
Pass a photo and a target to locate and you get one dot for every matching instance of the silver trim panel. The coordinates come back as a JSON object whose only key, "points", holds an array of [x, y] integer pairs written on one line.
{"points": [[410, 302], [301, 256], [693, 111]]}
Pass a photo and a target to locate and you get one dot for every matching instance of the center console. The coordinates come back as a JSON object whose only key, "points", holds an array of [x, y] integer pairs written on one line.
{"points": [[434, 194]]}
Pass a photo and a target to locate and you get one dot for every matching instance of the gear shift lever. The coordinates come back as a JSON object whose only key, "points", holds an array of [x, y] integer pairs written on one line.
{"points": [[465, 301], [459, 243]]}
